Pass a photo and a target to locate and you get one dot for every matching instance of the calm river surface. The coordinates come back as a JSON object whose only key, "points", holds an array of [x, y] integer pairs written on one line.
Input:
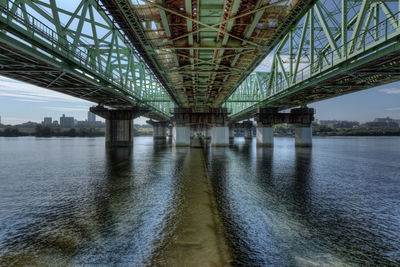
{"points": [[71, 201]]}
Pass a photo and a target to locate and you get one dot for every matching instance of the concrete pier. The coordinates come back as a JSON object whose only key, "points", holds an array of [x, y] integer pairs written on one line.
{"points": [[119, 124], [170, 131], [220, 136], [265, 135], [187, 119], [303, 136], [248, 134], [231, 133], [302, 118], [248, 130], [265, 117], [159, 129], [181, 135]]}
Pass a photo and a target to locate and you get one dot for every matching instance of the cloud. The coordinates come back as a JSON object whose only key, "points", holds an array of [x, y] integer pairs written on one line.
{"points": [[390, 91], [392, 109], [66, 109], [30, 100], [17, 89], [14, 120]]}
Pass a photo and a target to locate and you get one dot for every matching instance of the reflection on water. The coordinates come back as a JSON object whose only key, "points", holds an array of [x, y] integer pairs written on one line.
{"points": [[332, 204], [71, 201], [96, 207]]}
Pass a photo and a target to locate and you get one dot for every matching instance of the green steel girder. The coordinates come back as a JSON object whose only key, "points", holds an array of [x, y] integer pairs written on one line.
{"points": [[201, 49], [317, 60], [77, 51]]}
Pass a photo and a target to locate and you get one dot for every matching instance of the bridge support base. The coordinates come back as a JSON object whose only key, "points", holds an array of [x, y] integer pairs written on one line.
{"points": [[302, 118], [159, 129], [170, 132], [220, 136], [119, 124], [265, 136], [231, 134], [181, 136], [303, 136], [248, 130]]}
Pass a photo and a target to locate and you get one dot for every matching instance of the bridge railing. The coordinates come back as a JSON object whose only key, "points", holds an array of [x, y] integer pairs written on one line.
{"points": [[139, 87], [291, 74]]}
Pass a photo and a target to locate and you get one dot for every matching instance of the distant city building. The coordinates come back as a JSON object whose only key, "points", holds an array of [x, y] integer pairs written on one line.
{"points": [[0, 120], [47, 121], [67, 122], [87, 124], [339, 124], [387, 119], [55, 123], [382, 123], [91, 117]]}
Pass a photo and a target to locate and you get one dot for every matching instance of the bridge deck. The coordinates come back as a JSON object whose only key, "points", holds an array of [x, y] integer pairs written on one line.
{"points": [[202, 50]]}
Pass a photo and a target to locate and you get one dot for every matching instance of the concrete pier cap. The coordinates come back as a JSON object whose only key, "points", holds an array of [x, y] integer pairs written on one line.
{"points": [[159, 128], [186, 119], [265, 118], [303, 118], [119, 123], [300, 117]]}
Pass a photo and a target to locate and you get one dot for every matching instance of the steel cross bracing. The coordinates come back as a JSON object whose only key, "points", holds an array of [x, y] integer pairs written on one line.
{"points": [[72, 47], [338, 47], [201, 50]]}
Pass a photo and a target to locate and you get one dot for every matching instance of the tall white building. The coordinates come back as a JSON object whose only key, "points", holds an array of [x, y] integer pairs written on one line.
{"points": [[91, 117]]}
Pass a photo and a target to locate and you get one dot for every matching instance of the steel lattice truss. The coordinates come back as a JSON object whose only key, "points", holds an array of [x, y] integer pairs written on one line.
{"points": [[201, 50], [73, 47], [338, 47]]}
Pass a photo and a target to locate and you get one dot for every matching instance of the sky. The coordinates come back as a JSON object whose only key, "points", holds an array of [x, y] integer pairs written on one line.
{"points": [[22, 102]]}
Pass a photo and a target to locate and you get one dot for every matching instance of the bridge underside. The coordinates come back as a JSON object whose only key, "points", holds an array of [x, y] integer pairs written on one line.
{"points": [[335, 49], [381, 71], [202, 50], [19, 64]]}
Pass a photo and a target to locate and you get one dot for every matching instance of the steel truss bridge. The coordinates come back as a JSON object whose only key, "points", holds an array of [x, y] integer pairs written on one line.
{"points": [[201, 54]]}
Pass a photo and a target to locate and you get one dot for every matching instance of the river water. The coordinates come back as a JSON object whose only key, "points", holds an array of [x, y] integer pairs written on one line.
{"points": [[71, 201]]}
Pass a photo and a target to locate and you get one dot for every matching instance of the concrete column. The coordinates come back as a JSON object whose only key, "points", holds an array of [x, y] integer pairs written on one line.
{"points": [[119, 132], [220, 136], [159, 132], [302, 118], [303, 136], [170, 132], [231, 133], [265, 135], [181, 135], [119, 124], [159, 128], [247, 133], [208, 132]]}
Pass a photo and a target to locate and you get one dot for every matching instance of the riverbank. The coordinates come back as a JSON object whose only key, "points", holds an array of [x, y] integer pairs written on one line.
{"points": [[320, 130], [62, 132]]}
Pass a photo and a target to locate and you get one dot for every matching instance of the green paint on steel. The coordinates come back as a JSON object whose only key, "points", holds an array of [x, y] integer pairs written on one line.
{"points": [[93, 52], [316, 60]]}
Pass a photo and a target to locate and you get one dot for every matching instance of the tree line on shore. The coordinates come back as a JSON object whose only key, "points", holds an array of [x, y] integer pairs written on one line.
{"points": [[279, 130], [321, 130], [46, 131]]}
